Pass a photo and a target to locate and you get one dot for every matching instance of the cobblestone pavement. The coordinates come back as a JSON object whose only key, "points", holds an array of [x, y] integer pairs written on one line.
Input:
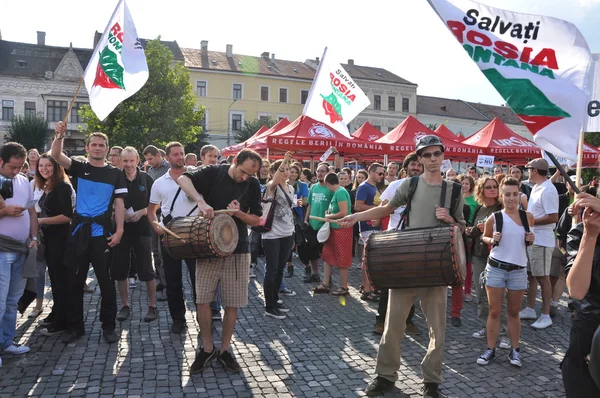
{"points": [[324, 348]]}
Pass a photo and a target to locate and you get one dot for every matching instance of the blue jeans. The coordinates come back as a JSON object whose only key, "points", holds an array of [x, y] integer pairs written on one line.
{"points": [[12, 285], [40, 281]]}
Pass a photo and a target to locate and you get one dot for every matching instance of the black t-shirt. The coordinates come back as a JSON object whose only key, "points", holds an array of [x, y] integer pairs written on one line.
{"points": [[219, 189], [590, 305], [55, 203], [138, 197]]}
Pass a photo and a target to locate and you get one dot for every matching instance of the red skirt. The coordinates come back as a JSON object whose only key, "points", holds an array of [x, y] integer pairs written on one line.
{"points": [[337, 250]]}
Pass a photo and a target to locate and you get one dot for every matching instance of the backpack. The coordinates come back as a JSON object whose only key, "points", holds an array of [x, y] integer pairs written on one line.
{"points": [[500, 220]]}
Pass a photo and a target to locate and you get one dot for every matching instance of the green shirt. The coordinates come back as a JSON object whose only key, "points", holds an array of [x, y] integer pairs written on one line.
{"points": [[319, 197], [472, 203], [341, 195]]}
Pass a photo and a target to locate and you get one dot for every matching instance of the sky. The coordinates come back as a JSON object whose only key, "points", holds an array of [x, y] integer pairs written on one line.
{"points": [[404, 36]]}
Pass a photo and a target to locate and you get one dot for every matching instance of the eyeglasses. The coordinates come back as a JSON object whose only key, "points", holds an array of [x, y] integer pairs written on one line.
{"points": [[428, 155], [491, 187], [380, 174]]}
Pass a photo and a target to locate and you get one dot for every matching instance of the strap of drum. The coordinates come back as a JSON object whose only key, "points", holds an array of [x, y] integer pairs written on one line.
{"points": [[173, 203]]}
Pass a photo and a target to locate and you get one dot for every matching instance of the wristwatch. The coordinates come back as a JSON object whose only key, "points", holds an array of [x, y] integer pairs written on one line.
{"points": [[34, 239]]}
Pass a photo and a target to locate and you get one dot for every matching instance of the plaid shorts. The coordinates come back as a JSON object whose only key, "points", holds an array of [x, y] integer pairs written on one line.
{"points": [[232, 271]]}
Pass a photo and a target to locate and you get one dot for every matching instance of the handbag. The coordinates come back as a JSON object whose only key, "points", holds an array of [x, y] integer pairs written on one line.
{"points": [[41, 248], [324, 232], [268, 210]]}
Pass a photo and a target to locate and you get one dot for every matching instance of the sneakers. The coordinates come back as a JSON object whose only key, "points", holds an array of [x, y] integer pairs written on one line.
{"points": [[151, 314], [378, 328], [228, 362], [378, 387], [542, 323], [487, 357], [505, 344], [16, 349], [290, 271], [430, 390], [527, 313], [124, 313], [110, 336], [480, 334], [216, 315], [515, 358], [468, 299], [51, 331], [412, 329], [274, 313], [47, 321], [307, 271], [287, 292], [282, 308], [132, 283], [178, 327], [456, 321], [202, 360], [252, 267], [70, 336]]}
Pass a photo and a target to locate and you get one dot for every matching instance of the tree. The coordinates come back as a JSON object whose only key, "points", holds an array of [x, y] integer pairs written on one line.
{"points": [[161, 112], [29, 131], [432, 126], [250, 128], [592, 139]]}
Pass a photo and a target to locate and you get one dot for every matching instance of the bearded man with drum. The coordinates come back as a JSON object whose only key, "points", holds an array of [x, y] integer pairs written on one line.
{"points": [[213, 188], [424, 212]]}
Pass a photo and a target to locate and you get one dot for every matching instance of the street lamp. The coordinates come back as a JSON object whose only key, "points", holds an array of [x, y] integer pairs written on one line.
{"points": [[229, 123]]}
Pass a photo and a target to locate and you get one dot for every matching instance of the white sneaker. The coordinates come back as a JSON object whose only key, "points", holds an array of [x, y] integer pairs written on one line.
{"points": [[527, 313], [505, 344], [132, 283], [480, 334], [16, 349], [542, 323]]}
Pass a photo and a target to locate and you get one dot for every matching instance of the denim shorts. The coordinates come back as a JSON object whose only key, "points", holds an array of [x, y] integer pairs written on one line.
{"points": [[511, 280]]}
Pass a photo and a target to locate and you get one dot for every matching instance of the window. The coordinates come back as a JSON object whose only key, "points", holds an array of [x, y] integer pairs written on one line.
{"points": [[283, 92], [236, 122], [201, 88], [303, 96], [8, 109], [57, 110], [29, 109], [405, 104], [264, 119], [391, 103], [377, 126], [237, 91], [377, 102], [264, 93], [75, 118]]}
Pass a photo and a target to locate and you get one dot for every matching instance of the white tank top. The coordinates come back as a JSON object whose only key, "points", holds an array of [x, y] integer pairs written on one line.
{"points": [[512, 244]]}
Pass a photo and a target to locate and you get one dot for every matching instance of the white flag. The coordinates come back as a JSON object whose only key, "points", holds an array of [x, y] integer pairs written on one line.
{"points": [[334, 98], [118, 66], [538, 64], [592, 124]]}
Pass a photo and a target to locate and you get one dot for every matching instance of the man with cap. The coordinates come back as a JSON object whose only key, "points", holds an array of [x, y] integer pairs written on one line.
{"points": [[425, 211], [543, 204]]}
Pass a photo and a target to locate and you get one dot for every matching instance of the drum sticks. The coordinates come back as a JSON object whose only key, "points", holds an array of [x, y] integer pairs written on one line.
{"points": [[323, 219], [167, 230]]}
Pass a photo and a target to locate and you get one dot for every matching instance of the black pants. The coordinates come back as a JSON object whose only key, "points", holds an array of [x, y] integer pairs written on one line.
{"points": [[575, 372], [382, 308], [276, 254], [58, 272], [255, 246], [174, 279], [99, 254]]}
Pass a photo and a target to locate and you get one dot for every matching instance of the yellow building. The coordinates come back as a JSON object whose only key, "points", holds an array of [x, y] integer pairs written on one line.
{"points": [[237, 88]]}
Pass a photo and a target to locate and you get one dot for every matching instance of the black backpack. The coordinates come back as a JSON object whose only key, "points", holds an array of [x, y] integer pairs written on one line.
{"points": [[500, 220]]}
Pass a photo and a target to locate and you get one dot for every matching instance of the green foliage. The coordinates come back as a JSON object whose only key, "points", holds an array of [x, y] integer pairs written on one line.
{"points": [[250, 128], [161, 112], [592, 139], [29, 131], [432, 126]]}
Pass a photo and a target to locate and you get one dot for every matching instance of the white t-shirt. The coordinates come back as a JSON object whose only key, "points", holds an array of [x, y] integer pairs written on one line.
{"points": [[163, 193], [283, 219], [388, 194], [543, 201], [18, 227]]}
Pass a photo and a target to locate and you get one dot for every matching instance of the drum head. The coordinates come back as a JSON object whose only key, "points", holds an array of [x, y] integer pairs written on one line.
{"points": [[460, 254], [223, 235]]}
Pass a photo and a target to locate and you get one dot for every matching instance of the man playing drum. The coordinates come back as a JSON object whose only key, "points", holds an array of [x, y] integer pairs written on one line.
{"points": [[424, 212], [215, 188]]}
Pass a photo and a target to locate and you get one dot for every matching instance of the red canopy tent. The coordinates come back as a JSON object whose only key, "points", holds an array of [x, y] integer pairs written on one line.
{"points": [[590, 156], [402, 140], [444, 132], [255, 141], [367, 132], [306, 136], [496, 139]]}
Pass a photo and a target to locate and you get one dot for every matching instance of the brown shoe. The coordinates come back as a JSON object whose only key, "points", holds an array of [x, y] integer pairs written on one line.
{"points": [[378, 328], [412, 329]]}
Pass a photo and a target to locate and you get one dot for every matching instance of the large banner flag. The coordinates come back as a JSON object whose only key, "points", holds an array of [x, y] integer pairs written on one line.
{"points": [[538, 64], [334, 98], [592, 124], [118, 66]]}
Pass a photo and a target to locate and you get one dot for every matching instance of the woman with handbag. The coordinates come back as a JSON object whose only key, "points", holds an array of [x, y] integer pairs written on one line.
{"points": [[279, 239], [301, 190], [56, 213]]}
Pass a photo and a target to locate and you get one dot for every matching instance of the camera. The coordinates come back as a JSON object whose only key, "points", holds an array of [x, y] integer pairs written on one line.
{"points": [[6, 187]]}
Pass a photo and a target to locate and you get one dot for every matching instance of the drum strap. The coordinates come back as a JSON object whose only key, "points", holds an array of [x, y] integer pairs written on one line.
{"points": [[173, 203]]}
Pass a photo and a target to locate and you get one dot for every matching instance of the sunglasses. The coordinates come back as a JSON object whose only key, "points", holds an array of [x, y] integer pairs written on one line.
{"points": [[380, 174], [428, 155], [491, 187]]}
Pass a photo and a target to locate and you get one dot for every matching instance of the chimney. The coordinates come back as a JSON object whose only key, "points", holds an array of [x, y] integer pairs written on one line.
{"points": [[317, 59], [351, 62], [265, 55], [41, 38], [97, 37], [204, 46], [272, 57], [229, 51]]}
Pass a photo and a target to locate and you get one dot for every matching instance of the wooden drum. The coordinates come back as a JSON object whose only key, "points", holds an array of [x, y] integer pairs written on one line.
{"points": [[204, 237], [420, 257]]}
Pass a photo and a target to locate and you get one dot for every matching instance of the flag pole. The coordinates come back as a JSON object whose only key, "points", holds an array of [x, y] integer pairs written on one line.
{"points": [[73, 100], [563, 173], [579, 159]]}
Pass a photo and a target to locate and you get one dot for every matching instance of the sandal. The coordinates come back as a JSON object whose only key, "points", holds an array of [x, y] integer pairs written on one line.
{"points": [[369, 296], [35, 313], [342, 291], [320, 289]]}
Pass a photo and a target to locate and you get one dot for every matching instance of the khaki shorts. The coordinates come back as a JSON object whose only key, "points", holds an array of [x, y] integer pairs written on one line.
{"points": [[558, 263], [540, 260], [233, 273]]}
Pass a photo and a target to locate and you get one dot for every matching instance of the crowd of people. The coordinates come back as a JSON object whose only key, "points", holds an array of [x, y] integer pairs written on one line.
{"points": [[110, 210]]}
